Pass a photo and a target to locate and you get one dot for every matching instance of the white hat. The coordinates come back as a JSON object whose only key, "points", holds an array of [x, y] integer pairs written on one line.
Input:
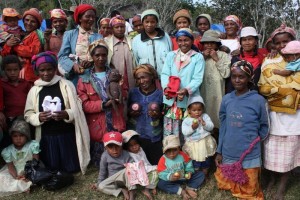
{"points": [[127, 135], [194, 99], [249, 31], [170, 142]]}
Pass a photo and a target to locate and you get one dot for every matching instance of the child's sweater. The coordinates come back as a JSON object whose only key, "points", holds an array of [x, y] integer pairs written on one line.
{"points": [[181, 164], [142, 156]]}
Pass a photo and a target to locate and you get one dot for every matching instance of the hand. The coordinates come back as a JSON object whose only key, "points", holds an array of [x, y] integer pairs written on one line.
{"points": [[213, 54], [93, 186], [276, 71], [272, 54], [206, 53], [218, 159], [45, 116], [166, 93], [195, 124], [3, 124], [181, 93], [12, 41], [222, 36], [60, 115], [86, 64], [78, 69], [188, 175], [175, 176], [202, 121], [47, 34]]}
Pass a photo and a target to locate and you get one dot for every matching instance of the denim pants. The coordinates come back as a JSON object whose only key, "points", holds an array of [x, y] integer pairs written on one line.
{"points": [[173, 187]]}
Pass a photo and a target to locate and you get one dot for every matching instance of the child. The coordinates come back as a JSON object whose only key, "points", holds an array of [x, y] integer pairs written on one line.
{"points": [[16, 156], [10, 28], [131, 144], [291, 54], [199, 144], [244, 118], [175, 168], [112, 170]]}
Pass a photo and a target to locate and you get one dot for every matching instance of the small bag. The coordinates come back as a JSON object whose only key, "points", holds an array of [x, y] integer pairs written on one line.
{"points": [[35, 173], [234, 171], [58, 181], [173, 86], [136, 173]]}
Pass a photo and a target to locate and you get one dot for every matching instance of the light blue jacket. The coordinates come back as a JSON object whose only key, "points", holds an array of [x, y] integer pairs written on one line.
{"points": [[152, 51], [191, 76]]}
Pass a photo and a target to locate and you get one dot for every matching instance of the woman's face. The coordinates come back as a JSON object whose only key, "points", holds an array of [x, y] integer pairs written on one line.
{"points": [[119, 31], [46, 72], [105, 30], [239, 80], [231, 28], [182, 22], [100, 57], [280, 40], [184, 43], [87, 20], [210, 46], [203, 25], [149, 24], [144, 81], [248, 43], [30, 23]]}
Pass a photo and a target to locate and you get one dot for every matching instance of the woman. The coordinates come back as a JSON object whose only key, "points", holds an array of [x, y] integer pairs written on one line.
{"points": [[230, 39], [186, 65], [73, 55], [282, 147], [28, 46], [145, 116], [62, 132], [203, 23], [91, 88], [104, 28], [153, 44]]}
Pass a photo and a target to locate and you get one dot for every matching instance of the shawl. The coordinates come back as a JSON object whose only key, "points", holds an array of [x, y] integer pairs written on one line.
{"points": [[282, 92]]}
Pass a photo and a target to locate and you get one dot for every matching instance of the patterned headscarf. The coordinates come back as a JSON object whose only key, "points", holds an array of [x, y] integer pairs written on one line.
{"points": [[58, 14], [44, 57], [184, 32], [245, 66], [145, 68], [235, 19], [284, 29], [96, 43], [118, 19], [104, 21]]}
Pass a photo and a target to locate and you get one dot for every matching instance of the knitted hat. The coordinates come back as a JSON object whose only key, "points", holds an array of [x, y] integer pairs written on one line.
{"points": [[249, 31], [35, 13], [292, 47], [207, 16], [10, 12], [195, 99], [127, 135], [81, 9], [182, 13], [44, 57], [58, 14], [20, 126], [210, 36], [112, 137], [150, 12], [170, 142]]}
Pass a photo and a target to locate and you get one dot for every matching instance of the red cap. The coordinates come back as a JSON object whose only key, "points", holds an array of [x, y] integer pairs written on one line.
{"points": [[112, 137]]}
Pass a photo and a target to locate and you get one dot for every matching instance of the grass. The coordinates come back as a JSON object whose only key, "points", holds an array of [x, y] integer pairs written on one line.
{"points": [[80, 190]]}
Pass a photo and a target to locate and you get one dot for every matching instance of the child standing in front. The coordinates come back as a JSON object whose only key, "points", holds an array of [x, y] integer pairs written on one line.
{"points": [[131, 144], [16, 155], [175, 168], [244, 121], [112, 170], [199, 144]]}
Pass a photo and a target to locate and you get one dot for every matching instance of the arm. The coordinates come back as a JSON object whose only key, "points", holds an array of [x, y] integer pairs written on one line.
{"points": [[66, 50], [166, 70], [197, 77], [12, 170], [103, 173], [188, 164], [222, 116], [187, 129], [209, 125], [264, 120], [163, 172], [33, 47], [30, 114]]}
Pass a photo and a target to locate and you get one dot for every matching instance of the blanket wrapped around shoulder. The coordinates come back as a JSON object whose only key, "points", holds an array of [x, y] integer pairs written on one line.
{"points": [[282, 92]]}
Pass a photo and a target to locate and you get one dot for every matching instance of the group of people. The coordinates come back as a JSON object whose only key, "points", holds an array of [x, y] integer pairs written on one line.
{"points": [[148, 108]]}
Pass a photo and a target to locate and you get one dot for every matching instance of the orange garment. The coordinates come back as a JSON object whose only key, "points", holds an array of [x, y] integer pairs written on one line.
{"points": [[250, 190], [29, 46]]}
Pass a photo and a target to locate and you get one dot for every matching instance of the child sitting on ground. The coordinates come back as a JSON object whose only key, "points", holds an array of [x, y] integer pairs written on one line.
{"points": [[16, 155], [199, 144], [175, 168], [291, 54], [112, 170], [132, 145]]}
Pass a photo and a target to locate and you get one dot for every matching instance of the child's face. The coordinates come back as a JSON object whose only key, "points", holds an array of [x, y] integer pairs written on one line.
{"points": [[12, 71], [105, 30], [11, 21], [113, 150], [59, 24], [195, 110], [291, 57], [172, 153], [18, 139], [210, 46], [133, 146]]}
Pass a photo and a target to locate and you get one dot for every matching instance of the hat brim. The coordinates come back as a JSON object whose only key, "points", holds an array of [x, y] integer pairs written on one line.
{"points": [[253, 35], [113, 142]]}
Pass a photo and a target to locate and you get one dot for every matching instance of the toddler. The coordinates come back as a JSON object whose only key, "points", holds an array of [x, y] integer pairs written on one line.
{"points": [[199, 144], [175, 168], [132, 145], [291, 54], [112, 170], [16, 155]]}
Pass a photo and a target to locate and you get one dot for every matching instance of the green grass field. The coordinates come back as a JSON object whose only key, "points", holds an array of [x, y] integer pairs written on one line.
{"points": [[81, 190]]}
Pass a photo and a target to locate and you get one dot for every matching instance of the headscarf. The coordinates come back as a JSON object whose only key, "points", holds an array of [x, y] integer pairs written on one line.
{"points": [[81, 9], [235, 19], [104, 21], [283, 29], [245, 66], [96, 43], [136, 18], [118, 19], [58, 14], [35, 13], [145, 68], [182, 13], [44, 57], [184, 32]]}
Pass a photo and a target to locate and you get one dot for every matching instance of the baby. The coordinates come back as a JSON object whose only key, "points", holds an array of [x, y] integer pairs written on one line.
{"points": [[291, 54]]}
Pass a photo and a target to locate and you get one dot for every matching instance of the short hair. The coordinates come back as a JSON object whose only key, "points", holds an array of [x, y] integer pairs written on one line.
{"points": [[114, 13], [9, 59]]}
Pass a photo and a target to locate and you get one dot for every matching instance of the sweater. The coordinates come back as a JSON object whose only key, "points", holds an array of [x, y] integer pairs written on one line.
{"points": [[243, 118]]}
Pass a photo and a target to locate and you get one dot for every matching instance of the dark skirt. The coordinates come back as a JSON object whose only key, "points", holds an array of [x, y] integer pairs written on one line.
{"points": [[59, 152], [153, 150]]}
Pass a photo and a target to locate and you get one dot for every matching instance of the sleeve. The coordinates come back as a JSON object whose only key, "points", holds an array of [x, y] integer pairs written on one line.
{"points": [[6, 50], [7, 154], [147, 163], [188, 163], [223, 65], [166, 70], [264, 120], [135, 49], [209, 125], [71, 96], [103, 172], [169, 41], [88, 105], [222, 116], [65, 51], [27, 51], [187, 129], [163, 172], [30, 114], [197, 77], [35, 147]]}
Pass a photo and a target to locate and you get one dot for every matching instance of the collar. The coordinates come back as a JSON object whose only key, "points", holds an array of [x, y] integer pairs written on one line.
{"points": [[145, 37], [117, 40], [82, 31]]}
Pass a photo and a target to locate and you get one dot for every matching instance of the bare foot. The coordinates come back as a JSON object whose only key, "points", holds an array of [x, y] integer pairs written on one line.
{"points": [[131, 194], [125, 193], [184, 195], [147, 193], [154, 191], [192, 193]]}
